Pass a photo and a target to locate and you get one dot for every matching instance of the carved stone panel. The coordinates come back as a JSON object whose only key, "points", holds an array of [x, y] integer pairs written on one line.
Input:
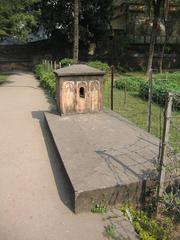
{"points": [[82, 97], [95, 95], [68, 100]]}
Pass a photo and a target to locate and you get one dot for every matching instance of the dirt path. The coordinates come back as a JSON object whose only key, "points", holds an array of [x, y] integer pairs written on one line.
{"points": [[34, 197]]}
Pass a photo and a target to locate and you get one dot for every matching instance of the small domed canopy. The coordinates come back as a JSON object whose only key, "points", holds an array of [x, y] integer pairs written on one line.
{"points": [[78, 70]]}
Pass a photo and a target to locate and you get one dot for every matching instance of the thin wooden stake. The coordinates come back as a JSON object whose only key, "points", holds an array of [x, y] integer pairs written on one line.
{"points": [[112, 85], [51, 65], [150, 101], [163, 154], [55, 65], [125, 94]]}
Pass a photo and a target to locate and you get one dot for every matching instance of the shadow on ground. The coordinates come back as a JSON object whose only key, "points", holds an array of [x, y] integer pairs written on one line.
{"points": [[63, 184]]}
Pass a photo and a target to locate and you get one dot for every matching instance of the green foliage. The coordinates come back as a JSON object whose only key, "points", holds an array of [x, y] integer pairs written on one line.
{"points": [[134, 108], [99, 65], [94, 18], [22, 25], [99, 207], [46, 78], [17, 18], [148, 229], [39, 70], [161, 86], [129, 83], [173, 77], [171, 204], [66, 62], [120, 68], [159, 91], [110, 232], [3, 78]]}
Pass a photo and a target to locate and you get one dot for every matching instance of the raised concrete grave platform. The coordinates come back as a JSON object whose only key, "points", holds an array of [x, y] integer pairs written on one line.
{"points": [[106, 157]]}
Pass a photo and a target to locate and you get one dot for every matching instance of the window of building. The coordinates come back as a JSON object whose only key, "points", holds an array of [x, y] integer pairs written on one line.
{"points": [[82, 92]]}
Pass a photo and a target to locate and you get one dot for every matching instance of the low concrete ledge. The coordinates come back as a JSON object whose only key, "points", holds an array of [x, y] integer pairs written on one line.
{"points": [[105, 157]]}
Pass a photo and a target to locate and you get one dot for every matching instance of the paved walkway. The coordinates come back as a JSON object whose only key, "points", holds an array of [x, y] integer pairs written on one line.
{"points": [[34, 197]]}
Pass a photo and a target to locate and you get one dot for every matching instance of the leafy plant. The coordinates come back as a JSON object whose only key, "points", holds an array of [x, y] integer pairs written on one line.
{"points": [[173, 77], [46, 78], [3, 78], [159, 90], [110, 232], [66, 62], [18, 18], [99, 65], [171, 204], [147, 228], [99, 207], [129, 83]]}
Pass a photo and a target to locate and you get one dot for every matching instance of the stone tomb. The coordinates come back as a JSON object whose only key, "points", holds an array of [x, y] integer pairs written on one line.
{"points": [[79, 89], [106, 158]]}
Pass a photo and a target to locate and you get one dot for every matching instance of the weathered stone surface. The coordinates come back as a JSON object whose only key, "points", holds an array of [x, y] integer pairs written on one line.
{"points": [[105, 156], [79, 89], [78, 70], [124, 229]]}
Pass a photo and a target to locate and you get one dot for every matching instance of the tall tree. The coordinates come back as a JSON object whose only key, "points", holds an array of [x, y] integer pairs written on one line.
{"points": [[76, 31], [157, 10], [170, 25], [156, 16], [167, 32], [94, 17]]}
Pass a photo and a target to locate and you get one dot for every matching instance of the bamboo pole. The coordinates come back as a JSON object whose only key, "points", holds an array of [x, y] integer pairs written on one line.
{"points": [[163, 153], [150, 101]]}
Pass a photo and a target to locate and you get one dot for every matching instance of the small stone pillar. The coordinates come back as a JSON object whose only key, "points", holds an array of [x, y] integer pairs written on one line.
{"points": [[79, 89]]}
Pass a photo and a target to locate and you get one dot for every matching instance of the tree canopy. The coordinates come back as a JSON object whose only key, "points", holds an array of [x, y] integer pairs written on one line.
{"points": [[57, 15], [17, 18]]}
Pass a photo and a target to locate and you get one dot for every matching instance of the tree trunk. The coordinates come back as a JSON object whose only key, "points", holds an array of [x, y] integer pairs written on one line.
{"points": [[76, 31], [156, 9], [152, 45], [162, 56], [167, 34]]}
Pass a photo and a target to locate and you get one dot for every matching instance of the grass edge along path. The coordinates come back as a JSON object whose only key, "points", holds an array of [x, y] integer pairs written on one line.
{"points": [[3, 78]]}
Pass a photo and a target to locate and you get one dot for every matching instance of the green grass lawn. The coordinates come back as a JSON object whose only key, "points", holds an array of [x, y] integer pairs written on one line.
{"points": [[3, 78], [134, 109], [141, 75]]}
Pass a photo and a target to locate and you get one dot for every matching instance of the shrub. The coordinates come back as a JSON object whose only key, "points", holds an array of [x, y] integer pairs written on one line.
{"points": [[66, 62], [99, 65], [147, 228], [99, 208], [171, 204], [130, 83], [172, 77], [160, 88], [46, 78], [38, 70], [111, 232]]}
